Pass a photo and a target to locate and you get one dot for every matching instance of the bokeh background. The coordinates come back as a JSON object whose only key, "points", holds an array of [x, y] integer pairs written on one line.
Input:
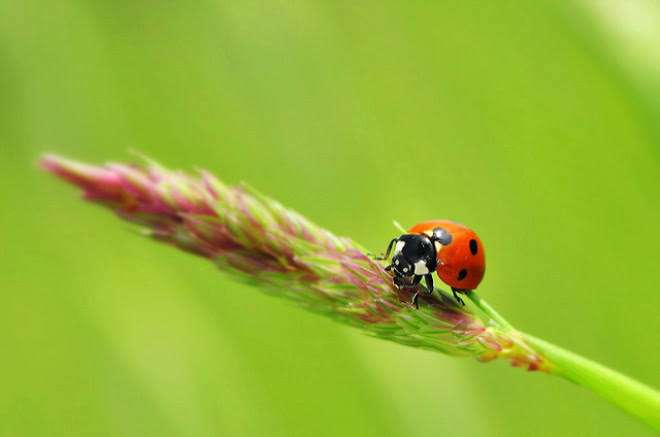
{"points": [[536, 123]]}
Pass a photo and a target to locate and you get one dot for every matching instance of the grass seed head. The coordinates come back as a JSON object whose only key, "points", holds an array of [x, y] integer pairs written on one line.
{"points": [[249, 235]]}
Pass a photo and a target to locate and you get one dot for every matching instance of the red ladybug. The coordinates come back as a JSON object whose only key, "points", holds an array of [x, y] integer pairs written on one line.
{"points": [[454, 251]]}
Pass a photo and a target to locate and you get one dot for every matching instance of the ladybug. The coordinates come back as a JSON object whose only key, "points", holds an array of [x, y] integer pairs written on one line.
{"points": [[452, 250]]}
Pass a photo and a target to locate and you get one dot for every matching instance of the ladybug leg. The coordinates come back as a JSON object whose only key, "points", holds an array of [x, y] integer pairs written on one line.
{"points": [[429, 287], [387, 252], [415, 300], [415, 296], [429, 283], [456, 296]]}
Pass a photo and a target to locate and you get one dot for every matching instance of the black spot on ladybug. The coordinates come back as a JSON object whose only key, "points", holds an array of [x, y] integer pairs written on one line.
{"points": [[474, 247], [462, 274]]}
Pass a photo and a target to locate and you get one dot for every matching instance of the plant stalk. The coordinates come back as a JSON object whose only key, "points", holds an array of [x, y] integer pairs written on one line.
{"points": [[488, 310], [627, 393]]}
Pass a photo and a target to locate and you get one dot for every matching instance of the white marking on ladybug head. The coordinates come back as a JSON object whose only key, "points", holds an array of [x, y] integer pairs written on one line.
{"points": [[405, 269], [396, 261], [420, 268], [399, 246]]}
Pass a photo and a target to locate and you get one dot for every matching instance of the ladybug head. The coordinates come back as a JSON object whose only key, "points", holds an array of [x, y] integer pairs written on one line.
{"points": [[414, 254], [402, 266], [462, 262]]}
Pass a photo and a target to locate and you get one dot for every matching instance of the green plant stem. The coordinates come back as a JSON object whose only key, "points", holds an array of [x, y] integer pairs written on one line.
{"points": [[627, 393], [632, 396], [488, 310]]}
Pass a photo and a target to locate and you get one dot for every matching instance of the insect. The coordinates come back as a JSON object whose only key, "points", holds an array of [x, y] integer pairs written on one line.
{"points": [[452, 250]]}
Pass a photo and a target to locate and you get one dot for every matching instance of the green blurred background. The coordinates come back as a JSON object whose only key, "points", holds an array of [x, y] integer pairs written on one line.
{"points": [[536, 123]]}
